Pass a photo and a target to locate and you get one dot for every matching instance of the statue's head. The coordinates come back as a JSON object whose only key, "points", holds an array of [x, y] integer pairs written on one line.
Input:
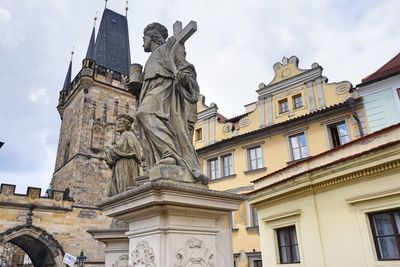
{"points": [[155, 34], [124, 123]]}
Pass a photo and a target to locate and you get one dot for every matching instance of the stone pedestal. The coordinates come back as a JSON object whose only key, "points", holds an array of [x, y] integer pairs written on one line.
{"points": [[117, 246], [173, 224]]}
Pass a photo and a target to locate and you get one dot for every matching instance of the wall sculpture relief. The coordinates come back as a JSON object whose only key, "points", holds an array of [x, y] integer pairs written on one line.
{"points": [[142, 256], [194, 254], [122, 261]]}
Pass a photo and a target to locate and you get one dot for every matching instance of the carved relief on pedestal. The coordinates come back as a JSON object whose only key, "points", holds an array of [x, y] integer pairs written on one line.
{"points": [[142, 256], [194, 254], [122, 261]]}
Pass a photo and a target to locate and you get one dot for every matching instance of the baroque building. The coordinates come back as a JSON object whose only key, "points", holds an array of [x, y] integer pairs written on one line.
{"points": [[338, 208], [297, 115]]}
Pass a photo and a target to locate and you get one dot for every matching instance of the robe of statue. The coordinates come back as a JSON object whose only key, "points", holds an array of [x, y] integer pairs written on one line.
{"points": [[123, 158], [167, 110]]}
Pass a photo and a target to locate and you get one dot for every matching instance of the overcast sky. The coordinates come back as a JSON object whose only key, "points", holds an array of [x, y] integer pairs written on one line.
{"points": [[236, 44]]}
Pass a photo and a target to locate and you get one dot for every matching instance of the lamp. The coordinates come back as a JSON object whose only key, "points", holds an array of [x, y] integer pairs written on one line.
{"points": [[81, 259]]}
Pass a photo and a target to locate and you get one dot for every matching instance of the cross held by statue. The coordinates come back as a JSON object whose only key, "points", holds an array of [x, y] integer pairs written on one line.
{"points": [[181, 35]]}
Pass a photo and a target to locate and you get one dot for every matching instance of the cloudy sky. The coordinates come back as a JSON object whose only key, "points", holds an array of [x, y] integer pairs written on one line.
{"points": [[236, 44]]}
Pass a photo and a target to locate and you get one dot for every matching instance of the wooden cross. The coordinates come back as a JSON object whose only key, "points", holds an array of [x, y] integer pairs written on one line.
{"points": [[181, 35]]}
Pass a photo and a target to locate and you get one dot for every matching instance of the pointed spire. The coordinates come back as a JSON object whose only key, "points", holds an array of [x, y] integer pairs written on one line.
{"points": [[90, 50], [67, 81], [112, 48], [126, 8]]}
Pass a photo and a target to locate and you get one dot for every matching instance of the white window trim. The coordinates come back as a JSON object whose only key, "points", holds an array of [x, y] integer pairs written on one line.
{"points": [[247, 147], [219, 156], [290, 155], [335, 121], [278, 221], [366, 204]]}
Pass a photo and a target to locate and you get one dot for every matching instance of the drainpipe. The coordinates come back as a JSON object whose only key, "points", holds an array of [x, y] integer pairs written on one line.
{"points": [[352, 105]]}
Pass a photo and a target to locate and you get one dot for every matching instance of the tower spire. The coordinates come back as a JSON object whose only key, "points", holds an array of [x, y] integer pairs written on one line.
{"points": [[90, 50], [126, 8], [67, 81]]}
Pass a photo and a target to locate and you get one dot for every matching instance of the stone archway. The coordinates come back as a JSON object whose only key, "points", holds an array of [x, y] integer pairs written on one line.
{"points": [[40, 246]]}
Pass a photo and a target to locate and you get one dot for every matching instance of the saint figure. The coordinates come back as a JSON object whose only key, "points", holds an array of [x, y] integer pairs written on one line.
{"points": [[123, 156], [167, 104]]}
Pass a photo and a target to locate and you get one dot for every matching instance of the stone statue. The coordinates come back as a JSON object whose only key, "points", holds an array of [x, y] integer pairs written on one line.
{"points": [[123, 156], [167, 102]]}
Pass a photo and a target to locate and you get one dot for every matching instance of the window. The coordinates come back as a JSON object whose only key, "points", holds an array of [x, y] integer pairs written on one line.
{"points": [[213, 168], [297, 101], [227, 164], [220, 166], [257, 263], [298, 146], [283, 105], [398, 92], [338, 134], [385, 229], [198, 134], [253, 216], [287, 243], [255, 158]]}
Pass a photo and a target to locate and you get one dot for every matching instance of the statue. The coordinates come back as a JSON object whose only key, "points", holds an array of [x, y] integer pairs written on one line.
{"points": [[167, 101], [123, 157]]}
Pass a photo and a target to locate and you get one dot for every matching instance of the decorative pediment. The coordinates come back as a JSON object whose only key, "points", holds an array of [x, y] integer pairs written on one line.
{"points": [[287, 68]]}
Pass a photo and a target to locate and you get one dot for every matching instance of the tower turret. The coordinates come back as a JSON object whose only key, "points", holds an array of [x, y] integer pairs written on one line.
{"points": [[88, 107]]}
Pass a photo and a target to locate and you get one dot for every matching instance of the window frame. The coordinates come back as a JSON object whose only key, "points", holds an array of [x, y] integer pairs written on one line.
{"points": [[294, 101], [289, 137], [219, 158], [198, 137], [228, 156], [216, 170], [280, 102], [375, 236], [291, 245], [249, 160], [329, 131]]}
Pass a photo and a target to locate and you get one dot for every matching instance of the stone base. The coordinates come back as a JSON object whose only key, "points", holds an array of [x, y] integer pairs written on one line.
{"points": [[170, 172], [117, 245], [174, 224]]}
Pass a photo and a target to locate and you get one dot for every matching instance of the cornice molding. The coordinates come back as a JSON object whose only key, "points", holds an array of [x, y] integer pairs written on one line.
{"points": [[262, 199]]}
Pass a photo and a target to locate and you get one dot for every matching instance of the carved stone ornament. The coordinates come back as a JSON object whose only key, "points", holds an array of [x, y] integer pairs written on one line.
{"points": [[343, 88], [122, 261], [228, 127], [194, 254], [142, 256], [244, 122]]}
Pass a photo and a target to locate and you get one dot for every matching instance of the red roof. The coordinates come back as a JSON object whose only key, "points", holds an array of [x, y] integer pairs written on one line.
{"points": [[391, 67]]}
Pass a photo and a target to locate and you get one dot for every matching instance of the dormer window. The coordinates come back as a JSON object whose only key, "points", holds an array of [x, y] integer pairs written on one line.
{"points": [[283, 105], [297, 101]]}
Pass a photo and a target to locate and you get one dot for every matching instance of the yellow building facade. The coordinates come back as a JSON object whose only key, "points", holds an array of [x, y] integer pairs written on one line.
{"points": [[296, 116], [339, 208]]}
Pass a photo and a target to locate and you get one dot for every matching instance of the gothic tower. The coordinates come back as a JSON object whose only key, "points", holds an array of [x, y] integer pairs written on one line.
{"points": [[88, 106]]}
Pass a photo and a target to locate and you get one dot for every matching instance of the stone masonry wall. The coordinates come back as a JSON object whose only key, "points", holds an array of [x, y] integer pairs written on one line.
{"points": [[68, 224]]}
